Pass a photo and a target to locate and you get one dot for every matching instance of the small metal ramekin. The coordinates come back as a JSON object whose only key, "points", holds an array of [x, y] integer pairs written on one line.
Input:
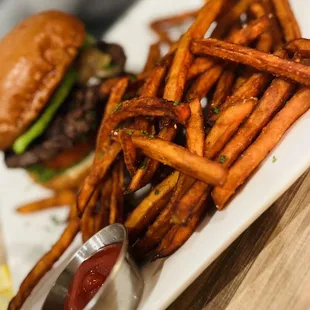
{"points": [[122, 289]]}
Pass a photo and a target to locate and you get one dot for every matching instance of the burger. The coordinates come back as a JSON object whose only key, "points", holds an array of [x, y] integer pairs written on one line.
{"points": [[50, 107]]}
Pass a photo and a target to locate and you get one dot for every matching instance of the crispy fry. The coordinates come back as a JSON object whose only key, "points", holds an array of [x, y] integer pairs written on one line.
{"points": [[116, 95], [195, 144], [62, 198], [277, 36], [87, 221], [146, 106], [102, 217], [143, 176], [183, 58], [242, 37], [150, 207], [287, 19], [219, 135], [45, 264], [159, 25], [230, 18], [181, 159], [258, 151], [227, 125], [129, 151], [300, 46], [205, 82], [223, 88], [157, 230], [259, 60], [72, 212], [96, 175], [179, 234], [117, 198], [152, 58], [107, 85], [274, 97]]}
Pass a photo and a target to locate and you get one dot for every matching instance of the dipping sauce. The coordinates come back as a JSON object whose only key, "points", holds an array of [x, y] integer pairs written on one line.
{"points": [[90, 276]]}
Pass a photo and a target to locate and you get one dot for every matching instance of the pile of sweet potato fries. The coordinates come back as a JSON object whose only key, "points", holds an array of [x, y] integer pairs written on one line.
{"points": [[253, 73]]}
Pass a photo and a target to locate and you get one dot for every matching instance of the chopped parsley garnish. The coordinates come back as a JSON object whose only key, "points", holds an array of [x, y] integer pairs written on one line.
{"points": [[176, 103], [99, 155], [222, 159], [129, 132], [148, 117], [274, 159], [156, 192], [144, 132], [118, 107], [216, 110], [151, 136], [143, 164]]}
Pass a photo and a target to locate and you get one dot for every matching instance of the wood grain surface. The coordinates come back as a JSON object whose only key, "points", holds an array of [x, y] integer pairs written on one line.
{"points": [[267, 267]]}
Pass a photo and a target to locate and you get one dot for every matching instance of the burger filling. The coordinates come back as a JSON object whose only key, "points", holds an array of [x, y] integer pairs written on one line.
{"points": [[64, 134]]}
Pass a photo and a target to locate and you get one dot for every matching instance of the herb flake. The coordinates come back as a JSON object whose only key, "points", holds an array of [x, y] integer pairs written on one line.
{"points": [[216, 110], [274, 159], [222, 159], [156, 192], [144, 132], [118, 107], [176, 103], [143, 165], [129, 132]]}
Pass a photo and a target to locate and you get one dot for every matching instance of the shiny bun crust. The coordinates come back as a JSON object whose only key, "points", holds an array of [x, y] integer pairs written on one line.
{"points": [[34, 57]]}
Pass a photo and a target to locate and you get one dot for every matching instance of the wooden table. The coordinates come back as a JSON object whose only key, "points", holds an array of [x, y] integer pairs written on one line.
{"points": [[267, 267]]}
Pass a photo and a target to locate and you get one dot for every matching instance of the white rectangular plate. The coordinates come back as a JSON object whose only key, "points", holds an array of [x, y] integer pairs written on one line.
{"points": [[28, 237]]}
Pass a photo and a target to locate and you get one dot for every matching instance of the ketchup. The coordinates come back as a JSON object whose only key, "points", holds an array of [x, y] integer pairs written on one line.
{"points": [[90, 276]]}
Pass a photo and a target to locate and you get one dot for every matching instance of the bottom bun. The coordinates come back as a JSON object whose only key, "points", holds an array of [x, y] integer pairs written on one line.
{"points": [[72, 178]]}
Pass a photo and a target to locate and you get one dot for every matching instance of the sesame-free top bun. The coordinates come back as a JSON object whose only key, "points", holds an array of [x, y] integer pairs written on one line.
{"points": [[34, 57]]}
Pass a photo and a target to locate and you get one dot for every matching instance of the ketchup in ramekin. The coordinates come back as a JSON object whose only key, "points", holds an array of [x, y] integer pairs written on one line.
{"points": [[90, 276]]}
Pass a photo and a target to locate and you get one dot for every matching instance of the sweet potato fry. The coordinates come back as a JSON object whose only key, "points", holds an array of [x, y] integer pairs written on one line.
{"points": [[261, 61], [157, 230], [129, 151], [242, 37], [144, 176], [300, 46], [159, 26], [181, 159], [45, 264], [117, 199], [277, 36], [116, 95], [107, 85], [223, 88], [258, 151], [227, 125], [62, 198], [287, 19], [221, 132], [87, 221], [179, 234], [182, 60], [203, 84], [100, 168], [274, 97], [150, 207], [146, 106], [152, 58], [230, 18], [102, 217], [195, 144]]}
